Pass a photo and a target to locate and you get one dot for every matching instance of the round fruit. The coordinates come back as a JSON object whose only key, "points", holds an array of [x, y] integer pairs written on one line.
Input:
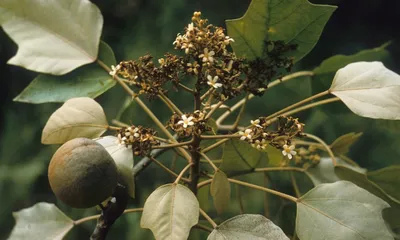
{"points": [[82, 173]]}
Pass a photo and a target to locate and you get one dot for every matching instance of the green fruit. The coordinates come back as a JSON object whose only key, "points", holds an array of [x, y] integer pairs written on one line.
{"points": [[82, 173]]}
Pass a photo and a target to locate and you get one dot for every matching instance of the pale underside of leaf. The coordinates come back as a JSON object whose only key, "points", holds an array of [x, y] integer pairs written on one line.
{"points": [[87, 81], [294, 22], [341, 210], [78, 117], [53, 37], [369, 90], [249, 227], [42, 221], [170, 212]]}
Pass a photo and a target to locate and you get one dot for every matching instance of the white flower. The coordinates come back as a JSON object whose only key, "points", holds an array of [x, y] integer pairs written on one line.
{"points": [[186, 121], [114, 70], [260, 144], [288, 151], [213, 82], [255, 123], [245, 134], [207, 56], [228, 40], [190, 27], [135, 132]]}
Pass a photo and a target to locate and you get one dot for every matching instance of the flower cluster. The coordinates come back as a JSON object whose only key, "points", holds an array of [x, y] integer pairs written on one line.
{"points": [[207, 58], [189, 124], [139, 139], [305, 157], [259, 135], [148, 77]]}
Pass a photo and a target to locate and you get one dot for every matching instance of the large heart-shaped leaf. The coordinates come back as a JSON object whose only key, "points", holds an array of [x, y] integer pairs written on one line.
{"points": [[170, 212], [52, 36], [220, 191], [341, 210], [249, 227], [294, 22], [369, 89], [123, 157], [88, 81], [41, 221], [77, 117], [388, 179], [240, 156]]}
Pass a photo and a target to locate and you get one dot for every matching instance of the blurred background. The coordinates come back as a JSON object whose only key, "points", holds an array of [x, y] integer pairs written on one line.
{"points": [[136, 27]]}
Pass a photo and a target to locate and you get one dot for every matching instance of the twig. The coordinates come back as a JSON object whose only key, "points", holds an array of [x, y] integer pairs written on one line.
{"points": [[169, 103], [328, 149], [220, 136], [204, 214], [94, 217], [236, 123], [167, 169], [182, 172], [272, 84], [119, 123], [202, 227], [209, 161], [240, 201]]}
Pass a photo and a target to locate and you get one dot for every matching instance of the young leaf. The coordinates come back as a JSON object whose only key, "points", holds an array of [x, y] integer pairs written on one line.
{"points": [[341, 210], [239, 155], [170, 212], [294, 22], [388, 179], [52, 36], [123, 157], [87, 81], [369, 89], [336, 62], [343, 143], [220, 191], [77, 117], [324, 171], [211, 123], [249, 227], [41, 221]]}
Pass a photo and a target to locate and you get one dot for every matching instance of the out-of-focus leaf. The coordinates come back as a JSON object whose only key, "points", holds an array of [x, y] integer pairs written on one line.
{"points": [[388, 179], [391, 216], [294, 22], [341, 210], [336, 62], [239, 156], [324, 171], [170, 212], [362, 181], [87, 81], [369, 89], [220, 191], [41, 221], [123, 157], [77, 117], [343, 143], [53, 36], [249, 227], [275, 156]]}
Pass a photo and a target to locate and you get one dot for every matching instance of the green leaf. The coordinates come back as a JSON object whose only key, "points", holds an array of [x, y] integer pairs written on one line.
{"points": [[369, 89], [87, 81], [362, 181], [52, 36], [343, 143], [336, 62], [170, 212], [123, 158], [220, 191], [77, 117], [240, 156], [324, 171], [275, 156], [391, 216], [249, 227], [388, 179], [341, 210], [211, 123], [41, 221], [294, 22]]}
